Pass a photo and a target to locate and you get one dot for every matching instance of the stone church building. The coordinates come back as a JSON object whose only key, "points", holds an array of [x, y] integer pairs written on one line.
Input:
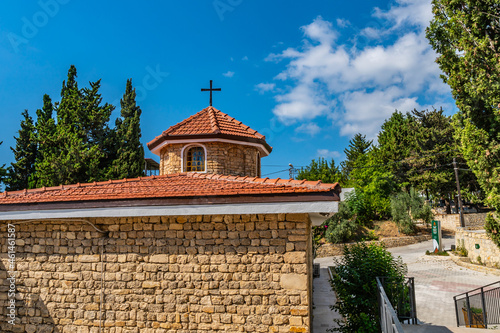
{"points": [[207, 246]]}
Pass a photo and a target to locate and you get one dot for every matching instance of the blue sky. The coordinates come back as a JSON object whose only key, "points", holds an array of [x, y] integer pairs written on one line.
{"points": [[308, 75]]}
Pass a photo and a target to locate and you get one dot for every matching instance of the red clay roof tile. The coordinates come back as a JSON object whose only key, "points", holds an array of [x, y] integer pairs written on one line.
{"points": [[210, 121], [180, 185]]}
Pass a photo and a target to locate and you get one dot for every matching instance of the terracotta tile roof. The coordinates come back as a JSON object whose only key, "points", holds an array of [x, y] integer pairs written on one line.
{"points": [[211, 122], [182, 185]]}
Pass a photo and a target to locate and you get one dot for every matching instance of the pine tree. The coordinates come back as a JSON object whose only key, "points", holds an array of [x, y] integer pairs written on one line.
{"points": [[129, 161], [25, 152], [321, 170], [358, 146]]}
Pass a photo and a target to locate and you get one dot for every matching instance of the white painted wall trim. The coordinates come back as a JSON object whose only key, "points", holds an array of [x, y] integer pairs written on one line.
{"points": [[317, 209], [261, 147]]}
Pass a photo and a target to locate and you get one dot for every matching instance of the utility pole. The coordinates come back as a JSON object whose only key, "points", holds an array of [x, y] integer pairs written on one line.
{"points": [[462, 222], [292, 171]]}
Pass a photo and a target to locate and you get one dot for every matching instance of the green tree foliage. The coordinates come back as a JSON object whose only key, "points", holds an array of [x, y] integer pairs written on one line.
{"points": [[321, 170], [356, 288], [431, 168], [407, 208], [79, 139], [45, 127], [435, 147], [465, 34], [372, 178], [25, 152], [78, 145], [358, 146], [492, 227], [129, 162], [396, 143], [3, 171], [418, 149]]}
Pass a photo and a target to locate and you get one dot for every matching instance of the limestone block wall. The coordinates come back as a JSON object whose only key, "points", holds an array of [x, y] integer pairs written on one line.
{"points": [[232, 273], [473, 221], [448, 221], [222, 158], [488, 251]]}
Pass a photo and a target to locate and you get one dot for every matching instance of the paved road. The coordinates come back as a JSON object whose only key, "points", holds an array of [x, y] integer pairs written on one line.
{"points": [[437, 280]]}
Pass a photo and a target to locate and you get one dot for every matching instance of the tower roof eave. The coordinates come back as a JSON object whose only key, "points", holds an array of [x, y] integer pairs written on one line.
{"points": [[162, 141], [210, 123]]}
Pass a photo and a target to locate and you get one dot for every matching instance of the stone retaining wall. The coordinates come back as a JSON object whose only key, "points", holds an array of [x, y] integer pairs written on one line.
{"points": [[488, 251], [232, 273], [473, 221], [448, 221], [329, 250]]}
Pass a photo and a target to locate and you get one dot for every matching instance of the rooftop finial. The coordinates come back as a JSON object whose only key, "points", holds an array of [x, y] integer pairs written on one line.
{"points": [[211, 89]]}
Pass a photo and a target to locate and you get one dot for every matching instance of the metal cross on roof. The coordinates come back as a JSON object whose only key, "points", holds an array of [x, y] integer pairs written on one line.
{"points": [[211, 89]]}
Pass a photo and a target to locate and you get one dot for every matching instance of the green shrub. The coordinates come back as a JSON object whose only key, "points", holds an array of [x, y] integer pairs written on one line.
{"points": [[356, 288], [343, 227], [406, 208], [342, 231], [492, 227]]}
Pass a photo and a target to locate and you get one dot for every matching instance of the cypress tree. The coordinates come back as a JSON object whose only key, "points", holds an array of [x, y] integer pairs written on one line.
{"points": [[78, 141], [25, 152], [129, 161], [45, 128], [3, 171]]}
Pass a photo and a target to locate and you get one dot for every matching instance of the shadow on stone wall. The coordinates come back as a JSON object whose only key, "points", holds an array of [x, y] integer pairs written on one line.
{"points": [[31, 312]]}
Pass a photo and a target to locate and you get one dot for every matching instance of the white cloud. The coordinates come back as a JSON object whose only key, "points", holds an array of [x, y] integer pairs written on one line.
{"points": [[358, 87], [308, 128], [228, 74], [342, 23], [265, 87], [325, 153], [413, 12]]}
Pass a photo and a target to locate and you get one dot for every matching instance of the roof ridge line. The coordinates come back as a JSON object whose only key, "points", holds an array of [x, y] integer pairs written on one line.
{"points": [[182, 122], [214, 124]]}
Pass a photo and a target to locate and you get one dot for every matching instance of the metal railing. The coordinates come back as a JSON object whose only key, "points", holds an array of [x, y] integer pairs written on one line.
{"points": [[389, 322], [402, 297], [479, 307]]}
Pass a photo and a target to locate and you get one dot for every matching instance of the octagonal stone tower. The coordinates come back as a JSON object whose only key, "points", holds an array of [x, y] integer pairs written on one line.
{"points": [[210, 142]]}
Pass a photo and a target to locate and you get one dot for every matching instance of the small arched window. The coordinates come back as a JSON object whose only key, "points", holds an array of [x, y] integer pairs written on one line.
{"points": [[195, 159]]}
